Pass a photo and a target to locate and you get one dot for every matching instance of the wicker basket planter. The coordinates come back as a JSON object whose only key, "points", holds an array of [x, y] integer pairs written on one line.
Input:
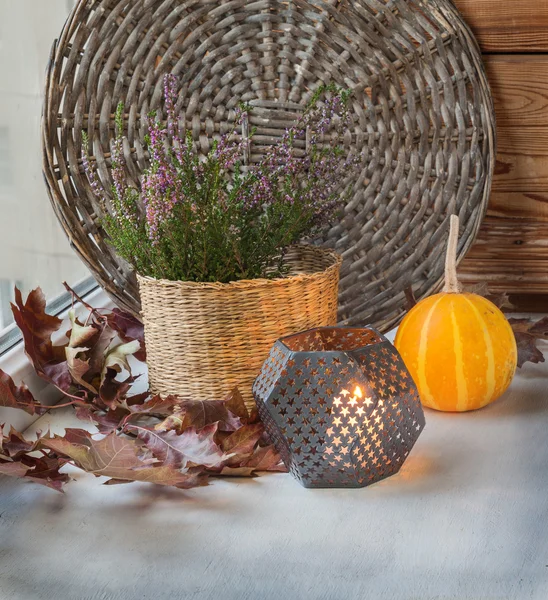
{"points": [[203, 339]]}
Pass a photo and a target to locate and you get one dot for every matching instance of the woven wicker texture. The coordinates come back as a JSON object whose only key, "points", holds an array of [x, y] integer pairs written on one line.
{"points": [[421, 110], [203, 339]]}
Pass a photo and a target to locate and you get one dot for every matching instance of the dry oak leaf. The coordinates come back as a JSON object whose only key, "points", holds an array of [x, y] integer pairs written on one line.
{"points": [[266, 459], [106, 422], [178, 450], [527, 349], [236, 405], [199, 414], [540, 329], [527, 333], [263, 459], [78, 336], [118, 458], [17, 460], [128, 328], [13, 469], [117, 358], [157, 406], [45, 471], [242, 443], [112, 392], [13, 396], [37, 327], [14, 445]]}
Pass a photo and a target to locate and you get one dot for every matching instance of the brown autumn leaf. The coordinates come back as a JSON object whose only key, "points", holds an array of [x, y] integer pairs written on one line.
{"points": [[13, 396], [481, 289], [521, 325], [37, 327], [116, 358], [44, 470], [113, 392], [13, 469], [266, 459], [236, 405], [218, 436], [237, 472], [78, 367], [157, 406], [79, 334], [14, 445], [118, 458], [501, 301], [540, 329], [242, 443], [178, 450], [129, 329], [527, 334], [263, 459], [106, 422], [17, 459], [527, 349], [200, 413], [98, 350]]}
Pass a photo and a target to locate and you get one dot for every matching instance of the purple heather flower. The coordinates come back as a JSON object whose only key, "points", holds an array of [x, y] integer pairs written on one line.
{"points": [[92, 175]]}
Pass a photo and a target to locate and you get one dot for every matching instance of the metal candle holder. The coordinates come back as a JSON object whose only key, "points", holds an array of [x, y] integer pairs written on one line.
{"points": [[339, 405]]}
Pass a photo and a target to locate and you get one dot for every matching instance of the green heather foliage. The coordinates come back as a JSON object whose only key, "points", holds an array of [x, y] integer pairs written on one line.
{"points": [[199, 218]]}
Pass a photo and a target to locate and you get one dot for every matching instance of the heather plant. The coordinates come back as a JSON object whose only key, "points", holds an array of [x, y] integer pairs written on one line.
{"points": [[207, 218]]}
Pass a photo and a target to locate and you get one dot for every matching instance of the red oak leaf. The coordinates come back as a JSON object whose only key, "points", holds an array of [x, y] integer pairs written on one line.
{"points": [[177, 450], [200, 413], [14, 445], [266, 459], [45, 471], [17, 459], [157, 406], [13, 469], [112, 391], [527, 334], [242, 443], [263, 459], [106, 422], [37, 328], [12, 396], [116, 457], [236, 405], [129, 329]]}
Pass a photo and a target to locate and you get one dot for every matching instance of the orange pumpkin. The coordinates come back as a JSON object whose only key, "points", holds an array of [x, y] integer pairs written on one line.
{"points": [[459, 347]]}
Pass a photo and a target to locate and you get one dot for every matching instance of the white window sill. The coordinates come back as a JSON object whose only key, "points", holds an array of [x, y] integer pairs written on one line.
{"points": [[464, 518]]}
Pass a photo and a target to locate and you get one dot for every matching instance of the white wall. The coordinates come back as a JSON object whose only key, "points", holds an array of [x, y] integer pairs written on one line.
{"points": [[33, 248]]}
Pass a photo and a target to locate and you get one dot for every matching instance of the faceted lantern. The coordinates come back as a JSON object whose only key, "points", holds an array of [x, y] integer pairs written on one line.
{"points": [[339, 405]]}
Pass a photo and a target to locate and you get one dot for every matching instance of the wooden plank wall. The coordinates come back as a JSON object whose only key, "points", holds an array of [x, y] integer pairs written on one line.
{"points": [[512, 249]]}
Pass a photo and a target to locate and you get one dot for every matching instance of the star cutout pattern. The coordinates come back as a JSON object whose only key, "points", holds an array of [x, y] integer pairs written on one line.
{"points": [[339, 405]]}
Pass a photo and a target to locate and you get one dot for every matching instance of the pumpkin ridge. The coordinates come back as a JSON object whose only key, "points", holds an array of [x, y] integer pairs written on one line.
{"points": [[503, 383], [490, 379], [462, 387], [421, 362]]}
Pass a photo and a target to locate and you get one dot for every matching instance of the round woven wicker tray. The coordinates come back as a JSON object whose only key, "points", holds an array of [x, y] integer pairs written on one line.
{"points": [[421, 109]]}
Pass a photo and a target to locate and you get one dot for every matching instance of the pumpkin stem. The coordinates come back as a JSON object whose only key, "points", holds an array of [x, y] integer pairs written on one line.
{"points": [[452, 285]]}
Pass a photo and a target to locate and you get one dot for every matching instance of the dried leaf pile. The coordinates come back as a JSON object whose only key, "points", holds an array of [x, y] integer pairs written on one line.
{"points": [[166, 441]]}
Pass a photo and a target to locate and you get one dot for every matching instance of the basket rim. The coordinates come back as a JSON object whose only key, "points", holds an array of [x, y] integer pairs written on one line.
{"points": [[336, 258]]}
